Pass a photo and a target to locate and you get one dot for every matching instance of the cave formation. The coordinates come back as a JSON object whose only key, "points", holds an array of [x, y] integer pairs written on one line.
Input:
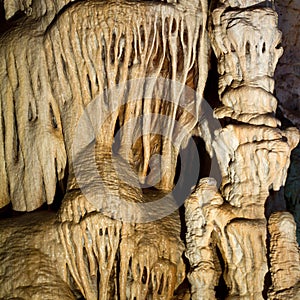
{"points": [[145, 149]]}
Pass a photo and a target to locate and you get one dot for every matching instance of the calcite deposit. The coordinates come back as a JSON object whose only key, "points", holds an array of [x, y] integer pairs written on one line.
{"points": [[251, 155], [157, 193]]}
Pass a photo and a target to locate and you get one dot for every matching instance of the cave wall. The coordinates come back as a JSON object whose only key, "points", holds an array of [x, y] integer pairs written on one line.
{"points": [[108, 240]]}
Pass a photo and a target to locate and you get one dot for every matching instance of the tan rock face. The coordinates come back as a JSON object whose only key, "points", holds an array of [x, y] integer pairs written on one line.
{"points": [[214, 224], [32, 261], [284, 256], [97, 258], [126, 56], [253, 158], [104, 96], [246, 43], [250, 159], [87, 49]]}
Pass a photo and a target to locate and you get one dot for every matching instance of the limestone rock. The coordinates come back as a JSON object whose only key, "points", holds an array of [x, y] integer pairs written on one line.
{"points": [[11, 7], [213, 224], [96, 258], [253, 156], [64, 64], [284, 257], [102, 97], [32, 260], [246, 62], [250, 159]]}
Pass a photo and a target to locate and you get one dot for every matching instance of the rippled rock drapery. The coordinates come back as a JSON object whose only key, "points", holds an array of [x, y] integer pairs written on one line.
{"points": [[69, 69], [123, 56], [45, 102], [284, 251]]}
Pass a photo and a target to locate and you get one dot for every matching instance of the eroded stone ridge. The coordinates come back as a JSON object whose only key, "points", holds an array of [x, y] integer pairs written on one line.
{"points": [[253, 156]]}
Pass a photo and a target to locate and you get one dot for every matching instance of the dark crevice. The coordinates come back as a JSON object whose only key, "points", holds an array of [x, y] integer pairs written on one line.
{"points": [[52, 117], [16, 141], [98, 279], [64, 66], [30, 114], [117, 137], [89, 84], [14, 21], [7, 212], [275, 202], [3, 127], [221, 289], [161, 285], [183, 290], [247, 48], [118, 271], [144, 276], [112, 48], [211, 88], [60, 191]]}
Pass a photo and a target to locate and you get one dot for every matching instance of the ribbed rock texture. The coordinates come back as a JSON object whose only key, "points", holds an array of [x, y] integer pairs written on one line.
{"points": [[104, 99], [100, 97], [64, 66], [215, 225], [284, 251], [253, 155], [97, 258]]}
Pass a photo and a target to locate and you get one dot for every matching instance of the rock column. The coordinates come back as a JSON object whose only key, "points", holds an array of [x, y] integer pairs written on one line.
{"points": [[252, 152]]}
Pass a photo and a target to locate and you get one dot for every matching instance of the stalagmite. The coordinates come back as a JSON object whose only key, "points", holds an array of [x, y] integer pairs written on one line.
{"points": [[250, 160], [247, 63], [253, 156], [284, 257], [214, 225]]}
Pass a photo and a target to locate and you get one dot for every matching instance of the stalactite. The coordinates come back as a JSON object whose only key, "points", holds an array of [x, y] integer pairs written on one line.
{"points": [[91, 247], [30, 169], [150, 265], [85, 50], [149, 50], [147, 268]]}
